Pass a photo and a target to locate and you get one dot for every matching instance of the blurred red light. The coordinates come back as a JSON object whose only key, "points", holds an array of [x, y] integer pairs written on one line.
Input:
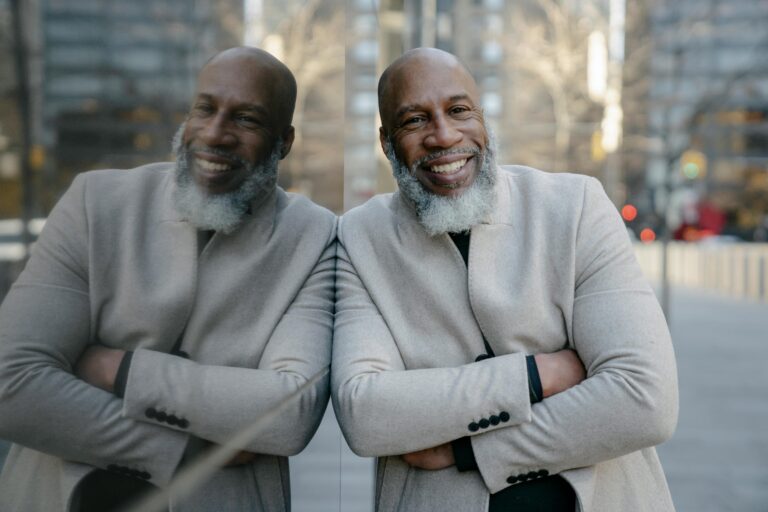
{"points": [[629, 213], [647, 235]]}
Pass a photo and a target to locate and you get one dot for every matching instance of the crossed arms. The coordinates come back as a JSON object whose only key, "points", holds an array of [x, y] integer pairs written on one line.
{"points": [[46, 325], [627, 402]]}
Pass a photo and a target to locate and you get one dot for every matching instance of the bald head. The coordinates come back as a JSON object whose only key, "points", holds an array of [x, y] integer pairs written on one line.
{"points": [[266, 72], [421, 63], [239, 120]]}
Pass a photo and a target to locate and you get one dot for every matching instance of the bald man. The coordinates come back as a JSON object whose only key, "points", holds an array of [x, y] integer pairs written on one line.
{"points": [[166, 308], [466, 304]]}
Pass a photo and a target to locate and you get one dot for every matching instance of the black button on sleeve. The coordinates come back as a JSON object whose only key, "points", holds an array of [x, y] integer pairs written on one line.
{"points": [[145, 475], [494, 420], [473, 427], [484, 423], [532, 475], [512, 480], [161, 416], [543, 472], [172, 420], [182, 423], [150, 413], [504, 416]]}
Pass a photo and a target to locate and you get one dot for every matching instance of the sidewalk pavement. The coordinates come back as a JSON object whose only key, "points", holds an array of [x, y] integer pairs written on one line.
{"points": [[717, 460]]}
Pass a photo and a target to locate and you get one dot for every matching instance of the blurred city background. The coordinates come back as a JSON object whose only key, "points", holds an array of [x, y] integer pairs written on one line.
{"points": [[664, 101]]}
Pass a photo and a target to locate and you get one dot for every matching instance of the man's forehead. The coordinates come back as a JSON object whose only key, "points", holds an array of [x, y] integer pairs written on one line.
{"points": [[430, 84], [237, 70], [243, 82]]}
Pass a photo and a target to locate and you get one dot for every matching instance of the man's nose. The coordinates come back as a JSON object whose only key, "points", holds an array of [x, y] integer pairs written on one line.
{"points": [[443, 134], [216, 132]]}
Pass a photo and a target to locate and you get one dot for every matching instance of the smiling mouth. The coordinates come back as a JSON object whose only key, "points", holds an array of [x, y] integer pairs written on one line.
{"points": [[448, 168], [212, 167]]}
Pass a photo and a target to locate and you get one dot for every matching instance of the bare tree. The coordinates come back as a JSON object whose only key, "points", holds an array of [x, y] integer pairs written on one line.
{"points": [[548, 51], [313, 48]]}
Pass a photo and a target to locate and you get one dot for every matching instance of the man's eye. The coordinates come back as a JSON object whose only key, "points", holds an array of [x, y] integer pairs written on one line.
{"points": [[413, 121], [247, 119], [203, 108], [460, 110]]}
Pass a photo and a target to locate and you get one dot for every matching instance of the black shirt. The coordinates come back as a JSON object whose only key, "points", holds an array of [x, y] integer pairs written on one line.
{"points": [[548, 494]]}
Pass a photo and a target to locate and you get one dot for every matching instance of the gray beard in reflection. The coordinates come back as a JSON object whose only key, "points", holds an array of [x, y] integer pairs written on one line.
{"points": [[440, 214], [219, 212]]}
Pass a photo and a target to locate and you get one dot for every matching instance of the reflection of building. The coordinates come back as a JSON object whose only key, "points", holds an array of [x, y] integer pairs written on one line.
{"points": [[10, 115], [365, 28], [309, 38], [117, 77], [709, 99]]}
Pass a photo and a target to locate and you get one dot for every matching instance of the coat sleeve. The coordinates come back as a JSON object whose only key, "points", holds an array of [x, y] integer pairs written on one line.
{"points": [[629, 400], [385, 409], [44, 327], [218, 402]]}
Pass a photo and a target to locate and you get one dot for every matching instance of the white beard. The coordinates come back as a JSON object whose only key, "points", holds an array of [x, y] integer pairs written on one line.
{"points": [[219, 212], [440, 214]]}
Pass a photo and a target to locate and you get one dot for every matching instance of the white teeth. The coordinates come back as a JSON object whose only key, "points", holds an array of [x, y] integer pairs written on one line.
{"points": [[448, 168], [211, 166]]}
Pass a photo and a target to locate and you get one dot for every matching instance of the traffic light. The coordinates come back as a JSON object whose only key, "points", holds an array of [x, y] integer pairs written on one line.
{"points": [[693, 164], [629, 212], [647, 235]]}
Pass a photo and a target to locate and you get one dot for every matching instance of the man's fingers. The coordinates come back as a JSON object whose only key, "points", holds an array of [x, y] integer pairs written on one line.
{"points": [[438, 457], [98, 366], [241, 457]]}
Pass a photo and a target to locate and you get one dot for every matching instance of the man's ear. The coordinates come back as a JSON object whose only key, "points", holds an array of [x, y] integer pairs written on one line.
{"points": [[383, 139], [288, 135]]}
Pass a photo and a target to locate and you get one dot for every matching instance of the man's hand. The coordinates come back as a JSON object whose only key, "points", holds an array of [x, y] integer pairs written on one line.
{"points": [[559, 371], [241, 457], [98, 366], [439, 457]]}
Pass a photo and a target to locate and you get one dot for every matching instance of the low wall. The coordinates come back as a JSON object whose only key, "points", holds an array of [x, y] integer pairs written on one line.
{"points": [[737, 270]]}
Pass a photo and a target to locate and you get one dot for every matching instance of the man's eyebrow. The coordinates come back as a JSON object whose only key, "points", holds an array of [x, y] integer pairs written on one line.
{"points": [[203, 96], [405, 109], [249, 107], [458, 97]]}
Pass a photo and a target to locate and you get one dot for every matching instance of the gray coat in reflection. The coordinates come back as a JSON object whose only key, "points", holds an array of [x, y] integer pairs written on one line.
{"points": [[116, 265]]}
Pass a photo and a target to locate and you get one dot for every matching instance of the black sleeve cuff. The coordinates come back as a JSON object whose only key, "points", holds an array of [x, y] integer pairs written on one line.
{"points": [[463, 454], [121, 379], [534, 382]]}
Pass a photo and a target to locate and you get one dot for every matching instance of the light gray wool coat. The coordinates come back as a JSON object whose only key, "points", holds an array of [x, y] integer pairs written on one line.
{"points": [[116, 264], [551, 268]]}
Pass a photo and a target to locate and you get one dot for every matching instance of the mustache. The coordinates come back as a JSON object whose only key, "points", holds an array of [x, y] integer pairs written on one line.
{"points": [[218, 152], [439, 154]]}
